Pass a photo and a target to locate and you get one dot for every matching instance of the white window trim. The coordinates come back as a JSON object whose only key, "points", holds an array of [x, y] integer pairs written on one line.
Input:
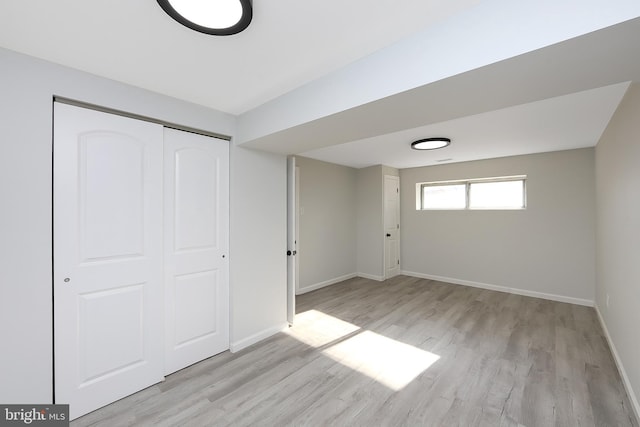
{"points": [[467, 183]]}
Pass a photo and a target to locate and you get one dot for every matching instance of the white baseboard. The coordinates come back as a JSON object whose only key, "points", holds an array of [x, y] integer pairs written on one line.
{"points": [[329, 282], [255, 338], [371, 277], [552, 297], [625, 379]]}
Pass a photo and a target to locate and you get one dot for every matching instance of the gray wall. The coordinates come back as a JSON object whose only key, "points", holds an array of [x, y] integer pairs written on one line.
{"points": [[618, 236], [370, 227], [327, 235], [546, 250], [388, 170], [341, 229], [27, 87]]}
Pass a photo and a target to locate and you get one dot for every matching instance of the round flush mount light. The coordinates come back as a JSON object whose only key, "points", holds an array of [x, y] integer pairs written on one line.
{"points": [[430, 143], [215, 17]]}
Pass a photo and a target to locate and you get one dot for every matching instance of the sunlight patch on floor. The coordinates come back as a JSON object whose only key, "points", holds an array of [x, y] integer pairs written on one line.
{"points": [[387, 361], [316, 328], [383, 359]]}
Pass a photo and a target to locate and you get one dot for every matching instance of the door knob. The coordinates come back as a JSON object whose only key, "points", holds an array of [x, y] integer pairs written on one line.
{"points": [[288, 253]]}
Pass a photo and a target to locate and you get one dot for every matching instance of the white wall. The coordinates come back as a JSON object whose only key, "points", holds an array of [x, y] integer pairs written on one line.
{"points": [[27, 87], [327, 244], [547, 250], [258, 246], [617, 162]]}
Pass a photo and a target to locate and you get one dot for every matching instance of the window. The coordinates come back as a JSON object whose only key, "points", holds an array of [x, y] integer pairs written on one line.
{"points": [[444, 196], [486, 193]]}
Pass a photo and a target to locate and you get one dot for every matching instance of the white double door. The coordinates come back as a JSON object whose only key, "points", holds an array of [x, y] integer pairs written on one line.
{"points": [[141, 284]]}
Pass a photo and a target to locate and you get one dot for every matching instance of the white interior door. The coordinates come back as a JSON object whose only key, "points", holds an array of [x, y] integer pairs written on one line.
{"points": [[391, 225], [108, 294], [291, 238], [196, 248]]}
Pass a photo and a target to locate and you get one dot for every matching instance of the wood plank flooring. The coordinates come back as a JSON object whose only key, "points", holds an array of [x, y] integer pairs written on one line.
{"points": [[404, 352]]}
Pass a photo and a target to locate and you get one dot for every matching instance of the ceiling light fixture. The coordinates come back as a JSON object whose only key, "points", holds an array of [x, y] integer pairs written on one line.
{"points": [[430, 143], [215, 17]]}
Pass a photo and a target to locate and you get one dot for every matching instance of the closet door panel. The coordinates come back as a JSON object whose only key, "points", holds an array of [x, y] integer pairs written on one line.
{"points": [[108, 293], [196, 248]]}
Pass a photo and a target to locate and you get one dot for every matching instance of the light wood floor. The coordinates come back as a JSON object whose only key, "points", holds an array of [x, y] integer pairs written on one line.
{"points": [[402, 352]]}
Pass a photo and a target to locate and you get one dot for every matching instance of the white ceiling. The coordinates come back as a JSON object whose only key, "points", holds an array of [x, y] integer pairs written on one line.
{"points": [[289, 43], [355, 82], [561, 123]]}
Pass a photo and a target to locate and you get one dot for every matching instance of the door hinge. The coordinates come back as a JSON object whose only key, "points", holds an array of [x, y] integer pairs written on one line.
{"points": [[398, 262]]}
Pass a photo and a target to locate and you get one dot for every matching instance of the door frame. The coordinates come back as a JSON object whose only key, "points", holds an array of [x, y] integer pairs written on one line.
{"points": [[293, 176]]}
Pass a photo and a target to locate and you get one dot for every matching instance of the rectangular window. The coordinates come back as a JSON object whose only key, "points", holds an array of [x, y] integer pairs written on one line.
{"points": [[485, 193]]}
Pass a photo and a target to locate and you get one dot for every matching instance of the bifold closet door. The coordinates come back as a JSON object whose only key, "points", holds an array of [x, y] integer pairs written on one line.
{"points": [[108, 292], [196, 267]]}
